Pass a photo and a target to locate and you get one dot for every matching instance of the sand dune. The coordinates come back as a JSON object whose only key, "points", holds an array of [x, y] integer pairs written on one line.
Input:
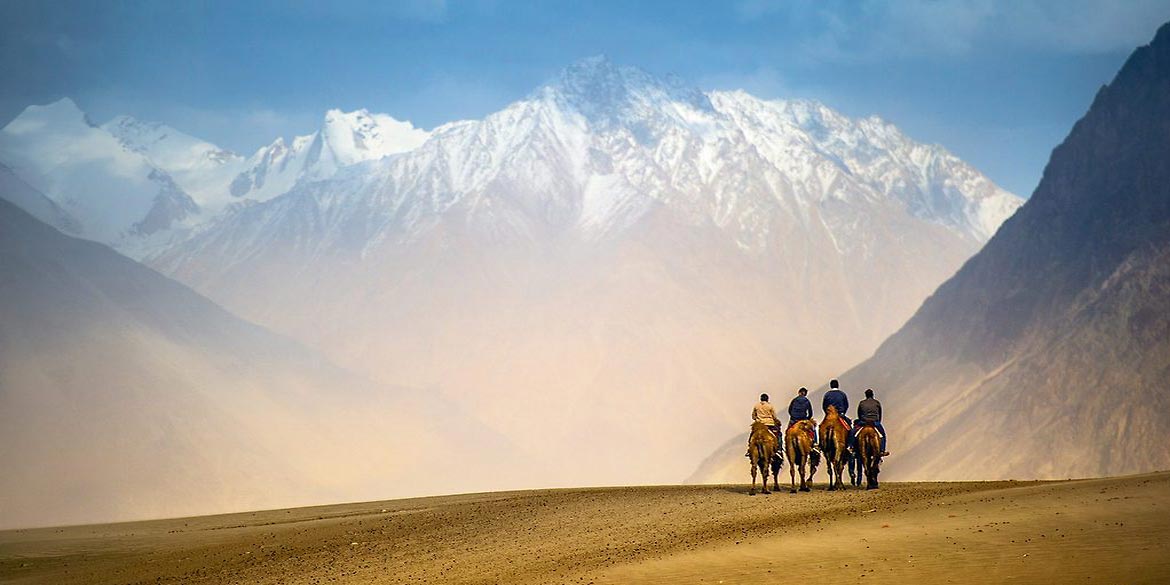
{"points": [[1104, 530]]}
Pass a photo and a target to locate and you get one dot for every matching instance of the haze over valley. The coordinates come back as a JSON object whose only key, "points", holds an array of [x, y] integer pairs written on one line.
{"points": [[555, 272]]}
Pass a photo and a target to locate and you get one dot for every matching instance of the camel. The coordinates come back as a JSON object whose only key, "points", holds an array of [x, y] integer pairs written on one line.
{"points": [[869, 454], [798, 445], [765, 453], [835, 445]]}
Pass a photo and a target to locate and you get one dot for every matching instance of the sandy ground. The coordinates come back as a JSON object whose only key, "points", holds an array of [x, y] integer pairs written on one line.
{"points": [[1094, 531]]}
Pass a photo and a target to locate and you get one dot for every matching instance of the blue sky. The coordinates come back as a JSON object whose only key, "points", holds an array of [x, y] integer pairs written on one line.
{"points": [[999, 83]]}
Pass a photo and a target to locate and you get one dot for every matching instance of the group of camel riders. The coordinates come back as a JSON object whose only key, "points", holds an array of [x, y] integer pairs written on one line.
{"points": [[869, 413]]}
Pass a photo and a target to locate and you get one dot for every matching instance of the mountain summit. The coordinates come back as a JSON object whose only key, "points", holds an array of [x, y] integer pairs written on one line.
{"points": [[608, 94], [345, 138]]}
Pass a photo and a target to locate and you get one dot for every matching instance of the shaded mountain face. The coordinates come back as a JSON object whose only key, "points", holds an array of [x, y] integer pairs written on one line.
{"points": [[1048, 354], [18, 192], [125, 395], [608, 261]]}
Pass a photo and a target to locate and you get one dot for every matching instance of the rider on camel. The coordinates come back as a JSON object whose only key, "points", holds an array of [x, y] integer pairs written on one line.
{"points": [[763, 412], [835, 397], [869, 412], [801, 409]]}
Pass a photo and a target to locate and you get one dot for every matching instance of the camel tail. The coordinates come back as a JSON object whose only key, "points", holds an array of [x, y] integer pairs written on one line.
{"points": [[815, 457]]}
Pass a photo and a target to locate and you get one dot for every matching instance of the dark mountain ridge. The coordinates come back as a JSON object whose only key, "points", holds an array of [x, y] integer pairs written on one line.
{"points": [[1059, 329]]}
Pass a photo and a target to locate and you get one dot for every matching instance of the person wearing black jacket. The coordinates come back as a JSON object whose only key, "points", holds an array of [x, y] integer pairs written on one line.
{"points": [[869, 412]]}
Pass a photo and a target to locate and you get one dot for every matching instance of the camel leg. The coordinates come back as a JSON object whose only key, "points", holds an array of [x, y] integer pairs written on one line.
{"points": [[860, 470], [753, 464], [830, 464], [803, 481], [837, 467], [773, 471], [870, 476], [792, 474]]}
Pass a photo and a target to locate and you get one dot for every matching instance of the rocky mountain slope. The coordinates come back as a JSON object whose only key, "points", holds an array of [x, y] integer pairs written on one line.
{"points": [[1048, 354], [619, 255]]}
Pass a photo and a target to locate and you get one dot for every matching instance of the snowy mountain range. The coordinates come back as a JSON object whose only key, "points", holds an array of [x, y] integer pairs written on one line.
{"points": [[142, 186], [619, 253]]}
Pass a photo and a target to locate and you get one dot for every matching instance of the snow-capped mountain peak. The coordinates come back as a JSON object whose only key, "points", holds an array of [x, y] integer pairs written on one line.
{"points": [[46, 118], [609, 95], [113, 194], [168, 148], [344, 139], [360, 135], [812, 143]]}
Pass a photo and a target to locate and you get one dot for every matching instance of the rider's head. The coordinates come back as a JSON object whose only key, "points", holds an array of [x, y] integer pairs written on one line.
{"points": [[833, 383], [869, 392], [803, 390], [763, 397]]}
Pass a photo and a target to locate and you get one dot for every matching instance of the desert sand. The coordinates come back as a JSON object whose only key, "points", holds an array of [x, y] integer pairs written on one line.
{"points": [[1114, 530]]}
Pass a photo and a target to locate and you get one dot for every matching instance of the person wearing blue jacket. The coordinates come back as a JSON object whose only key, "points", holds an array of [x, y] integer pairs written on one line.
{"points": [[800, 409], [836, 397]]}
